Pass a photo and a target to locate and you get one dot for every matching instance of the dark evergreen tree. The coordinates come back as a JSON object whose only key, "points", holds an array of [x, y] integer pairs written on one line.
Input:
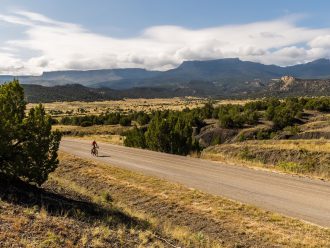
{"points": [[28, 147]]}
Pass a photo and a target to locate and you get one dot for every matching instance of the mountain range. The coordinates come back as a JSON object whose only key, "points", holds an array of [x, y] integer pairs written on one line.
{"points": [[225, 73], [222, 78]]}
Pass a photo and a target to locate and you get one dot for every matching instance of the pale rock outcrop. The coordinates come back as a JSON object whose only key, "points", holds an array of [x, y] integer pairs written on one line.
{"points": [[287, 81]]}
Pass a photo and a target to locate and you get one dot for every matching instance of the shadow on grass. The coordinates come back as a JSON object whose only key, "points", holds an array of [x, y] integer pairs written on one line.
{"points": [[21, 193]]}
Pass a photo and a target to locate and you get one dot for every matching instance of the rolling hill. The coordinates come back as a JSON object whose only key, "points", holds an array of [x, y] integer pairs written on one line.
{"points": [[77, 92]]}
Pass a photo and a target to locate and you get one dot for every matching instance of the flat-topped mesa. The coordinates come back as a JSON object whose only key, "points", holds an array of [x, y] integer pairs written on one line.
{"points": [[287, 82]]}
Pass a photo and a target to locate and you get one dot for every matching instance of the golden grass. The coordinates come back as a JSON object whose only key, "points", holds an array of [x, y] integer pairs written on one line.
{"points": [[141, 104], [229, 101], [111, 134], [127, 105], [308, 158], [172, 230], [24, 226], [233, 160], [196, 219], [92, 130], [321, 145], [111, 139], [30, 227]]}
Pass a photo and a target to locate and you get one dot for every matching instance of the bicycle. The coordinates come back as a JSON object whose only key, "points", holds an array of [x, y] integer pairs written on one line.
{"points": [[95, 151]]}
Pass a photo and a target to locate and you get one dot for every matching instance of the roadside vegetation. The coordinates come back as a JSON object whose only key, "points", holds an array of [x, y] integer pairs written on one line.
{"points": [[228, 126], [290, 135], [307, 157], [90, 204]]}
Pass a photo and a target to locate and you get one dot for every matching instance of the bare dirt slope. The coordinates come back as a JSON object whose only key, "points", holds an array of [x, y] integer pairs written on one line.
{"points": [[302, 198]]}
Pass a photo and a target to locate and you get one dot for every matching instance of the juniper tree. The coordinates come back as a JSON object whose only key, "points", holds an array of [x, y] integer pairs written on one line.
{"points": [[28, 147]]}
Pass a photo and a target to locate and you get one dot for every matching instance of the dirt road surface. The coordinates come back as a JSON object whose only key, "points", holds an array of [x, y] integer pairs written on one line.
{"points": [[294, 196]]}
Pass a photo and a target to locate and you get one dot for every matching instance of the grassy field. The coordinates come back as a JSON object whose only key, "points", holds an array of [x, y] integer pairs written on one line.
{"points": [[305, 157], [90, 204], [123, 106], [317, 145], [92, 130], [58, 109], [112, 134], [110, 139]]}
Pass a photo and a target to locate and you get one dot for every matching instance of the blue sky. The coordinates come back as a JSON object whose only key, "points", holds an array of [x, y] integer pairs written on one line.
{"points": [[129, 17], [48, 35]]}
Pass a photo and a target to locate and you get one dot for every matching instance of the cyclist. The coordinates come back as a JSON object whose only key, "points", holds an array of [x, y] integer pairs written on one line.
{"points": [[94, 148]]}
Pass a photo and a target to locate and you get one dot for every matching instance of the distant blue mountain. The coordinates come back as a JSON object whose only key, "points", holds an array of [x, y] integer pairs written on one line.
{"points": [[226, 73], [235, 69]]}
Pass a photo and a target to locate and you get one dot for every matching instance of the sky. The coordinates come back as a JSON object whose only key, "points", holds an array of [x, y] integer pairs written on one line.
{"points": [[38, 36]]}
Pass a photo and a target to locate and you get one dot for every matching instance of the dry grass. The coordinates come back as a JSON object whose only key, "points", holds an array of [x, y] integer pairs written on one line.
{"points": [[303, 157], [127, 105], [121, 208], [92, 130], [105, 133], [32, 227], [316, 122], [316, 126], [193, 218], [111, 139], [321, 145], [100, 193], [232, 160], [229, 101]]}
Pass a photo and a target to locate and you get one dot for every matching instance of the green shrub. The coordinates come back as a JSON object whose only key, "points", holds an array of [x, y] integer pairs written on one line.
{"points": [[216, 140], [262, 135], [112, 118], [241, 138], [86, 124], [296, 167], [135, 138], [125, 121], [235, 116], [246, 154], [28, 147], [142, 118], [320, 104], [251, 117], [293, 130], [226, 121], [230, 116]]}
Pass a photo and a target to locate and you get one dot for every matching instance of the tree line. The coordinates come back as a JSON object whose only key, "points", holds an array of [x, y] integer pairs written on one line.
{"points": [[107, 118], [282, 113], [172, 131], [168, 131]]}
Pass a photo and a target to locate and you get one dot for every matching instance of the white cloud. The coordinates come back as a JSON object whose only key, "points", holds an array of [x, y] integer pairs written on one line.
{"points": [[9, 64], [321, 42], [55, 45]]}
